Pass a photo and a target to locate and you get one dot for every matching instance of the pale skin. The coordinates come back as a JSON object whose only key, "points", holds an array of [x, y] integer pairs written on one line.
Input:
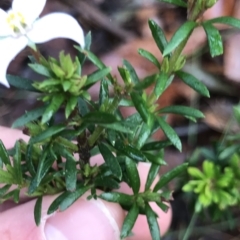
{"points": [[95, 219]]}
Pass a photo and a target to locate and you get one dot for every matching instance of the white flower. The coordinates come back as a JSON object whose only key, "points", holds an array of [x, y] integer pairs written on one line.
{"points": [[19, 27]]}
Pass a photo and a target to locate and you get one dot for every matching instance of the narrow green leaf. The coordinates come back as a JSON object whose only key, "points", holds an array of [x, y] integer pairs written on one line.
{"points": [[146, 82], [104, 92], [72, 197], [140, 105], [158, 145], [179, 3], [29, 116], [40, 69], [7, 178], [161, 84], [234, 22], [106, 182], [17, 163], [99, 117], [182, 110], [110, 160], [97, 76], [125, 75], [145, 132], [156, 158], [48, 133], [149, 56], [194, 83], [167, 177], [133, 175], [228, 152], [129, 221], [21, 83], [70, 172], [214, 39], [132, 72], [4, 158], [70, 106], [82, 106], [152, 222], [53, 107], [121, 198], [158, 35], [96, 61], [180, 35], [154, 170], [130, 151], [88, 41], [4, 189], [163, 206], [55, 204], [38, 211], [120, 126], [170, 133]]}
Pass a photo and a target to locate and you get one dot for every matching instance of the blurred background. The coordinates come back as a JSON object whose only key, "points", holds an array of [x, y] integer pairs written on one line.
{"points": [[119, 28]]}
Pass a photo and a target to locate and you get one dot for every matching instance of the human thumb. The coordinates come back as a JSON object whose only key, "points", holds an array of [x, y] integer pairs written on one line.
{"points": [[85, 219]]}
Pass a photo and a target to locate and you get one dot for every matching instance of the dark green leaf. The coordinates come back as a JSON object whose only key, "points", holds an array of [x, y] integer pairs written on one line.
{"points": [[4, 158], [88, 41], [106, 182], [121, 198], [182, 110], [21, 83], [29, 159], [132, 72], [29, 116], [53, 107], [129, 221], [155, 158], [45, 162], [48, 133], [82, 107], [17, 163], [179, 3], [152, 222], [98, 75], [146, 82], [38, 211], [40, 69], [96, 61], [234, 22], [156, 145], [145, 132], [158, 35], [110, 160], [153, 172], [133, 175], [161, 84], [214, 40], [4, 189], [140, 105], [149, 56], [104, 92], [122, 126], [99, 117], [72, 197], [70, 172], [55, 204], [167, 177], [228, 152], [130, 151], [163, 206], [194, 83], [180, 35], [170, 133]]}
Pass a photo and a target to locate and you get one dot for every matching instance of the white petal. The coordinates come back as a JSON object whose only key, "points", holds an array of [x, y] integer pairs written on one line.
{"points": [[9, 48], [30, 9], [56, 25], [5, 29]]}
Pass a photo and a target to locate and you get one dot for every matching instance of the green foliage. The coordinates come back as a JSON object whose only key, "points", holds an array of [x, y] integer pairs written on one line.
{"points": [[57, 157]]}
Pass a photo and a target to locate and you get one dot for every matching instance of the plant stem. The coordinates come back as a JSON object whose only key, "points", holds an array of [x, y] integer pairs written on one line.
{"points": [[190, 226]]}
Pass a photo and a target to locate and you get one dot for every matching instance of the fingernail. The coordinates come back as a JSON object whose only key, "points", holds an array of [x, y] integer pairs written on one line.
{"points": [[85, 219]]}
